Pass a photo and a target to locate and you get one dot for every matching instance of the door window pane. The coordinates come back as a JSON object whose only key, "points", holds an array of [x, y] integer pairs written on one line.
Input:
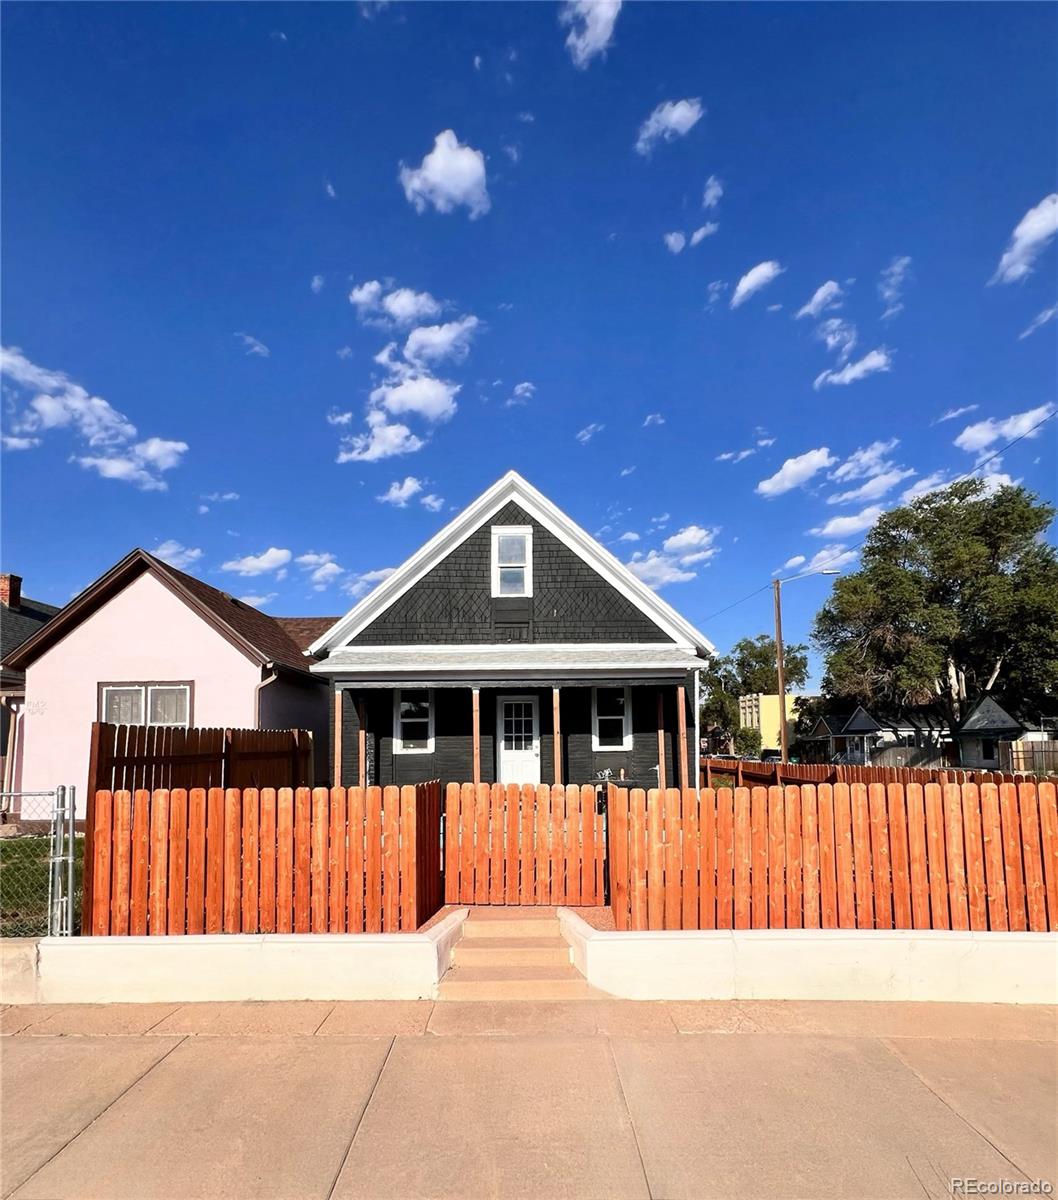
{"points": [[168, 705], [123, 706], [517, 725]]}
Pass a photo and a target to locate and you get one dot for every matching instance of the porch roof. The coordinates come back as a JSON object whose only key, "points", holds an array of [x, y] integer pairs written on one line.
{"points": [[516, 662]]}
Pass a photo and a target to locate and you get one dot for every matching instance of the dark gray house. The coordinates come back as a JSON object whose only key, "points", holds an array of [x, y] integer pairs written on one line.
{"points": [[513, 647]]}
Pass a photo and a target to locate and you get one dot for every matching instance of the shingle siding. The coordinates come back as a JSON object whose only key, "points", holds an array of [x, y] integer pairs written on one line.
{"points": [[453, 603]]}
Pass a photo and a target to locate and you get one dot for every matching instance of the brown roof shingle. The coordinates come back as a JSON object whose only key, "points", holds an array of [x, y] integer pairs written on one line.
{"points": [[305, 630]]}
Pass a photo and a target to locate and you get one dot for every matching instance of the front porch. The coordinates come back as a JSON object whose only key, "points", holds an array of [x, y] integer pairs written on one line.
{"points": [[519, 732]]}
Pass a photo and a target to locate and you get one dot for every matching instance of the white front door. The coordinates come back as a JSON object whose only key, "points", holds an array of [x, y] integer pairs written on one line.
{"points": [[517, 739]]}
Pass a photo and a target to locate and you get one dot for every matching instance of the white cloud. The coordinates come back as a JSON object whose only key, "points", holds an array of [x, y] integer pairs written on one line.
{"points": [[56, 402], [838, 335], [691, 537], [512, 152], [450, 175], [522, 394], [253, 346], [661, 520], [921, 487], [221, 497], [735, 456], [432, 502], [704, 231], [845, 526], [657, 570], [526, 118], [796, 471], [754, 279], [832, 557], [827, 295], [952, 413], [360, 585], [867, 462], [630, 536], [875, 360], [322, 568], [344, 352], [258, 601], [316, 284], [384, 439], [328, 187], [994, 480], [433, 343], [422, 394], [675, 242], [1029, 239], [983, 434], [334, 417], [591, 24], [588, 432], [365, 296], [268, 560], [400, 492], [714, 291], [874, 488], [687, 560], [796, 561], [176, 555], [653, 419], [714, 190], [671, 119], [625, 471], [1039, 321], [891, 285], [405, 305]]}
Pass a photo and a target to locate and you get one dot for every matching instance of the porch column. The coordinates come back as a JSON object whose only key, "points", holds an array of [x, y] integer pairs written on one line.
{"points": [[475, 707], [662, 780], [336, 741], [557, 734], [361, 742], [681, 727]]}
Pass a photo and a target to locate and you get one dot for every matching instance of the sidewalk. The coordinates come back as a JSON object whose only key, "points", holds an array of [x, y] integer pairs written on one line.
{"points": [[606, 1099]]}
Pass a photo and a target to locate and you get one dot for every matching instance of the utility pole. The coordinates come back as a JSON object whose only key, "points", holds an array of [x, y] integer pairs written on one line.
{"points": [[784, 742]]}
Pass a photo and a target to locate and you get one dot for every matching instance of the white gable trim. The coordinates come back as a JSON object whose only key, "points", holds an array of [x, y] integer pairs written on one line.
{"points": [[511, 487]]}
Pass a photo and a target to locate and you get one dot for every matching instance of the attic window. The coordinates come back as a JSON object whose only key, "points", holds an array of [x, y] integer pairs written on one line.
{"points": [[512, 560]]}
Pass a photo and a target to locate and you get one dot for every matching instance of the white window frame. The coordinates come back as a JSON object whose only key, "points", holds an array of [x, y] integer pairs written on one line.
{"points": [[398, 741], [626, 741], [525, 531], [145, 690]]}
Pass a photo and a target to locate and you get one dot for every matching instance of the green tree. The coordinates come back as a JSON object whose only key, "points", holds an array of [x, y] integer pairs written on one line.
{"points": [[747, 742], [749, 668], [957, 596]]}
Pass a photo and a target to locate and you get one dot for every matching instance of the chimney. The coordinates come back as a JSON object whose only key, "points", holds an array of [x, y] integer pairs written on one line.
{"points": [[10, 590]]}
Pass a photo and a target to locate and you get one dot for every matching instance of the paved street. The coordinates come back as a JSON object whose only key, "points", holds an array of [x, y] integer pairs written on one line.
{"points": [[606, 1099]]}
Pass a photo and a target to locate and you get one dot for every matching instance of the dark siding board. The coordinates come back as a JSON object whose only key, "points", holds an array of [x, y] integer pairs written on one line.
{"points": [[452, 604]]}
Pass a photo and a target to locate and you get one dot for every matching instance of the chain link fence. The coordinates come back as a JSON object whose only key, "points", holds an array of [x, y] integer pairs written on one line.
{"points": [[41, 864]]}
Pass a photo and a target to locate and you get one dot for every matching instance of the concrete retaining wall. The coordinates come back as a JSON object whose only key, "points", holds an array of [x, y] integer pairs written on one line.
{"points": [[93, 970], [808, 964]]}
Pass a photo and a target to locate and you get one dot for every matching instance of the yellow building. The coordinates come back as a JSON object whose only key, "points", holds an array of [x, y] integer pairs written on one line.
{"points": [[759, 711]]}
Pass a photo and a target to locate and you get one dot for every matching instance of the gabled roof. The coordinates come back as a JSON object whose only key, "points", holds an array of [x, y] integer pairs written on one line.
{"points": [[860, 722], [305, 630], [512, 487], [17, 625], [260, 637], [988, 717], [827, 727]]}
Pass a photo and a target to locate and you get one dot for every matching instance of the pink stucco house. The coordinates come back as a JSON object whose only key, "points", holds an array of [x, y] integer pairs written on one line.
{"points": [[147, 644]]}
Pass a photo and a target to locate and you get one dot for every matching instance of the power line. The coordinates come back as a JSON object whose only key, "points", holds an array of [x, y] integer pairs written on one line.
{"points": [[856, 545]]}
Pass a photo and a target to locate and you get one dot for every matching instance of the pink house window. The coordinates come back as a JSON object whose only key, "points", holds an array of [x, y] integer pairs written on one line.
{"points": [[148, 703]]}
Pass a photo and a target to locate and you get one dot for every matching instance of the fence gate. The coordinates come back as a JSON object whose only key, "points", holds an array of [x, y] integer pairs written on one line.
{"points": [[37, 863], [524, 844]]}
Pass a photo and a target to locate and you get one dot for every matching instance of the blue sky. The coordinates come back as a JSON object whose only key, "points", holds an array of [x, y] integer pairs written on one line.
{"points": [[606, 245]]}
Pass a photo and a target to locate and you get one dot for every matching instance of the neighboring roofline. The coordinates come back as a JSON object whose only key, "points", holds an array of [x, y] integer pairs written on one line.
{"points": [[511, 487], [108, 585]]}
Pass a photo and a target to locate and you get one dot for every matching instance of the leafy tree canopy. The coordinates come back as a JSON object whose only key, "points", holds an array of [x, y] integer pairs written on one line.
{"points": [[749, 668], [957, 595]]}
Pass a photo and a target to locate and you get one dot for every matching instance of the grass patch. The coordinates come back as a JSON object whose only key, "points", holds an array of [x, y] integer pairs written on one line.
{"points": [[24, 885]]}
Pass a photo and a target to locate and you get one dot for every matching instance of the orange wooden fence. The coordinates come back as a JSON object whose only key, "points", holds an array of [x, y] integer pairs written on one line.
{"points": [[528, 844], [778, 773], [836, 856], [338, 860]]}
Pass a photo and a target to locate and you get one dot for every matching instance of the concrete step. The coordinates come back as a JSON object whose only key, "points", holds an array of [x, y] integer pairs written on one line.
{"points": [[515, 927], [514, 983], [512, 951]]}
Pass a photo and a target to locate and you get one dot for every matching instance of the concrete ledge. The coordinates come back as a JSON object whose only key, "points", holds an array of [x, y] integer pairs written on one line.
{"points": [[811, 964], [18, 970], [98, 970]]}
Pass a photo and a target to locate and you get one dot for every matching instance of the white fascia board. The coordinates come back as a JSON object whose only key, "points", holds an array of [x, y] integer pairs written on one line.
{"points": [[511, 487]]}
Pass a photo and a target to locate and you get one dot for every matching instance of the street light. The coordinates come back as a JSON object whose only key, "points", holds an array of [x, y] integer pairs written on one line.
{"points": [[784, 741]]}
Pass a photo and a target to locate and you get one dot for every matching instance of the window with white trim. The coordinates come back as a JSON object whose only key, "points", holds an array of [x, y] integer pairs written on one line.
{"points": [[146, 704], [512, 560], [413, 721], [611, 718]]}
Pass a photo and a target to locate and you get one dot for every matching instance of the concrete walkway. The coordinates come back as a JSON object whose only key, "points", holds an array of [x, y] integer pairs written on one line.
{"points": [[606, 1099]]}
